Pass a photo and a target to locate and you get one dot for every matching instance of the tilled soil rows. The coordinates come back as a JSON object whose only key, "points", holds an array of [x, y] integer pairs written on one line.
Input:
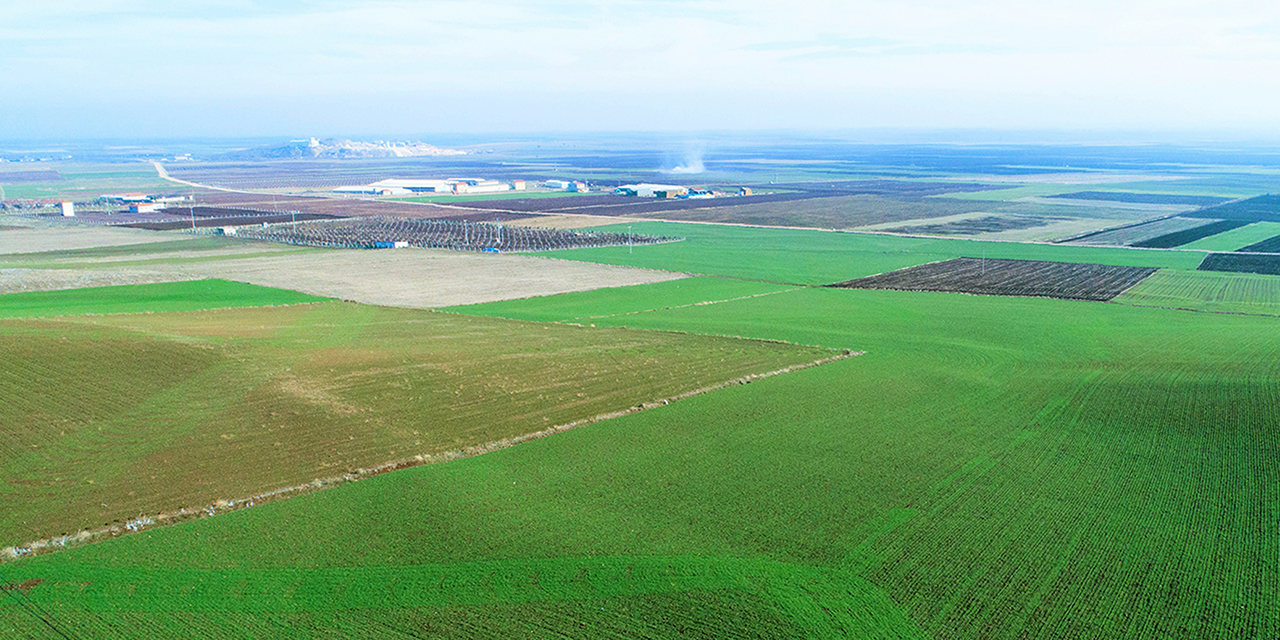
{"points": [[1268, 264], [1066, 280]]}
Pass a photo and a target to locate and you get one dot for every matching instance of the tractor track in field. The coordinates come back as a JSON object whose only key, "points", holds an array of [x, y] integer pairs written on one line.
{"points": [[701, 303], [148, 522]]}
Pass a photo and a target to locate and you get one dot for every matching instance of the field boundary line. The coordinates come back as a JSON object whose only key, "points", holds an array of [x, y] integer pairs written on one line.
{"points": [[1090, 234], [147, 522], [1224, 313], [683, 306]]}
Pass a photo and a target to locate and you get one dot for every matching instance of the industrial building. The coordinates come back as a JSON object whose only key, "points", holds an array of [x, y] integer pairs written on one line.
{"points": [[145, 207], [130, 198], [567, 185], [453, 186], [646, 190]]}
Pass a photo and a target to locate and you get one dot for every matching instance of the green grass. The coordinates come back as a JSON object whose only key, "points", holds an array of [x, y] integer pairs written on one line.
{"points": [[109, 418], [1236, 238], [586, 306], [139, 298], [991, 467], [819, 257], [1207, 291]]}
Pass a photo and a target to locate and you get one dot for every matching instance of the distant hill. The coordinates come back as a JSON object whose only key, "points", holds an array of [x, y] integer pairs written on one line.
{"points": [[334, 148]]}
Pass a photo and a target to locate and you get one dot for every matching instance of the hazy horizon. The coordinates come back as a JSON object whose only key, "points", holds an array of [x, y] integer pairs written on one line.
{"points": [[240, 69]]}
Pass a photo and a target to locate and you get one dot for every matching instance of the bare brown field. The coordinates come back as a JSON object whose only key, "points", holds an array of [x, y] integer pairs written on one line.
{"points": [[420, 278], [837, 212], [1267, 264], [976, 226], [350, 207], [572, 221], [1143, 198], [37, 175], [241, 218], [1135, 233], [1035, 278]]}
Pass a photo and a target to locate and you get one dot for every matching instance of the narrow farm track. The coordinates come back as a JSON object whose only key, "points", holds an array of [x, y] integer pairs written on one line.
{"points": [[700, 303]]}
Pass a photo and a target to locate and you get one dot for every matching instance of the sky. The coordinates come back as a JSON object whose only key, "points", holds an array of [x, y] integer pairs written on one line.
{"points": [[114, 68]]}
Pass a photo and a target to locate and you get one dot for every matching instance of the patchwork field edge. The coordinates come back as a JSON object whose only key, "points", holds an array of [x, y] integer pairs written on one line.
{"points": [[166, 518]]}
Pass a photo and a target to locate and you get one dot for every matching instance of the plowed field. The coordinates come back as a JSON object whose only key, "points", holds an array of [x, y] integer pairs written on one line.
{"points": [[1071, 281]]}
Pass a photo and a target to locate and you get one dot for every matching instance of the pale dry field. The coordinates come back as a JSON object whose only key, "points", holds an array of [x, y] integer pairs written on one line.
{"points": [[420, 278], [229, 252], [19, 280], [53, 238]]}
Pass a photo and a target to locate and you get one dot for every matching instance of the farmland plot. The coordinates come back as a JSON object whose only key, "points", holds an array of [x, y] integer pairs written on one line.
{"points": [[419, 278], [1242, 263], [588, 306], [1258, 209], [343, 207], [976, 226], [836, 212], [1242, 239], [1269, 245], [185, 409], [1066, 280], [992, 468], [1179, 238], [406, 277], [146, 298], [816, 257], [1207, 291], [1135, 233], [457, 235], [52, 238], [225, 218], [1144, 198]]}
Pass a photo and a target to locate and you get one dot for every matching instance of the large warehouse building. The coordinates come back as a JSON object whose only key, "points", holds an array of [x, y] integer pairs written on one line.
{"points": [[455, 186]]}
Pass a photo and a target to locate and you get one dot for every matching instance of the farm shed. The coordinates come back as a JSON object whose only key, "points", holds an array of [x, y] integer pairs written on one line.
{"points": [[145, 207], [646, 190]]}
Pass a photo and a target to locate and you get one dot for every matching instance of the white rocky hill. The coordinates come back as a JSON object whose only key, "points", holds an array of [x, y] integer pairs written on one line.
{"points": [[339, 148]]}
